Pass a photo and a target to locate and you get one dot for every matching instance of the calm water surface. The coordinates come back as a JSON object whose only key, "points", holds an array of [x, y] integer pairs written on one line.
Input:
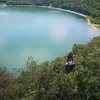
{"points": [[41, 33]]}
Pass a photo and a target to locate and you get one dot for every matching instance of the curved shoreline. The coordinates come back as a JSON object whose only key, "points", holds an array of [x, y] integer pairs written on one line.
{"points": [[65, 10], [87, 19], [60, 9]]}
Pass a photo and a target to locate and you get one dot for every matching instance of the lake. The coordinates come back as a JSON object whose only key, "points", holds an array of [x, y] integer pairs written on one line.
{"points": [[42, 33]]}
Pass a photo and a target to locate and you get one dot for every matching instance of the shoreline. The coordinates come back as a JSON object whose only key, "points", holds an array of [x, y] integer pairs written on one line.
{"points": [[86, 17], [93, 25], [60, 9], [96, 26]]}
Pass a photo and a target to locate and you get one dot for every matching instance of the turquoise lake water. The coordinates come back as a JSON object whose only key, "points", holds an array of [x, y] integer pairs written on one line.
{"points": [[41, 33]]}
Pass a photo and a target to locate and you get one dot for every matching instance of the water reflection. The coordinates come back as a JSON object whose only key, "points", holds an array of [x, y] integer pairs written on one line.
{"points": [[41, 33]]}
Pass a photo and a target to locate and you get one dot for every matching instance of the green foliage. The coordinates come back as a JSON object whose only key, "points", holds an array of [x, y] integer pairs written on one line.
{"points": [[10, 89], [47, 81]]}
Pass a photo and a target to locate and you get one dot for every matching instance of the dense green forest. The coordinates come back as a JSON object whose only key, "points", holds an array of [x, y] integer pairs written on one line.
{"points": [[90, 8], [47, 81]]}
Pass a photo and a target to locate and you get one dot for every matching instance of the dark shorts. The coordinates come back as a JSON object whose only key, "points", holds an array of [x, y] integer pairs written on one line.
{"points": [[68, 68]]}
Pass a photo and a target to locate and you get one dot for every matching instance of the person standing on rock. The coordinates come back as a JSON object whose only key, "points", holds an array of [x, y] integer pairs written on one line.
{"points": [[70, 57]]}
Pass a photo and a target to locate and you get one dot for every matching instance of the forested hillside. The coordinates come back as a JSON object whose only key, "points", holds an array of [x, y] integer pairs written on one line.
{"points": [[90, 8], [47, 81]]}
